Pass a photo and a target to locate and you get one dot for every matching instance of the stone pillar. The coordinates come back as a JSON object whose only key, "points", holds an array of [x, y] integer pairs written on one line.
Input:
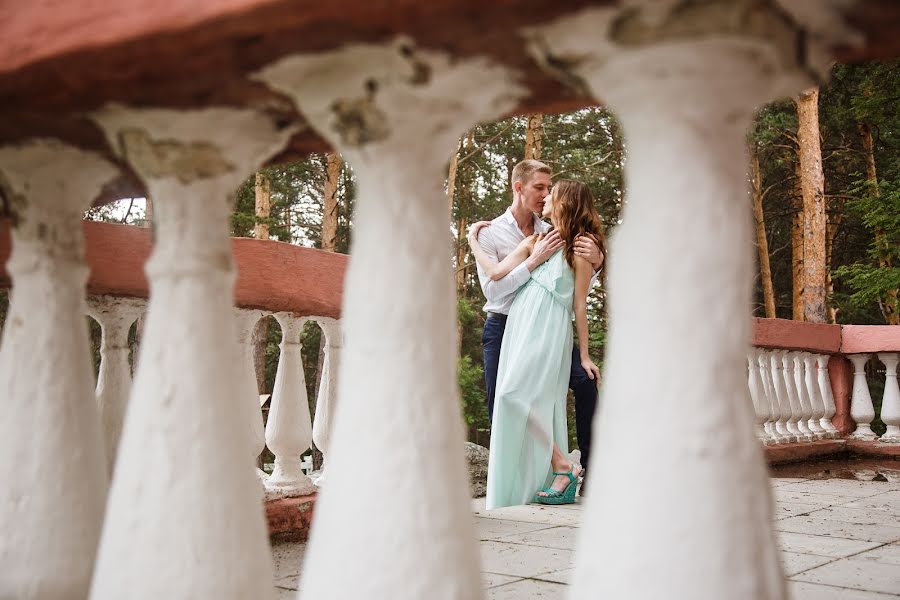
{"points": [[52, 466], [289, 428], [245, 321], [757, 394], [890, 403], [783, 403], [827, 396], [797, 424], [184, 518], [684, 84], [326, 401], [861, 409], [395, 114], [806, 409], [115, 316], [811, 384]]}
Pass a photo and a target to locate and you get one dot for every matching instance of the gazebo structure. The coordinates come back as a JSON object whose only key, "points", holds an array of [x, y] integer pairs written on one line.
{"points": [[181, 101]]}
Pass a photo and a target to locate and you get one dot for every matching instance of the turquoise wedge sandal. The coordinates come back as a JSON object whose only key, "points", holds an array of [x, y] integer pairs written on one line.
{"points": [[567, 496]]}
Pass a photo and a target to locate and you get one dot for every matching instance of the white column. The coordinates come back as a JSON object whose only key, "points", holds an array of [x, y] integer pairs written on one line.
{"points": [[115, 316], [796, 425], [326, 401], [806, 411], [684, 101], [771, 400], [827, 396], [184, 518], [53, 472], [783, 402], [289, 428], [395, 114], [861, 409], [811, 385], [245, 321], [757, 393], [890, 403]]}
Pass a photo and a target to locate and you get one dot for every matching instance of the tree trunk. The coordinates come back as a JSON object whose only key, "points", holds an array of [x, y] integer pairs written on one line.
{"points": [[762, 244], [834, 222], [261, 232], [534, 136], [797, 249], [330, 204], [812, 185], [451, 179], [889, 300], [462, 223]]}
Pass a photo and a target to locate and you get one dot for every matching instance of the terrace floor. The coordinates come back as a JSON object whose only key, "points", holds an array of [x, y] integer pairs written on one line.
{"points": [[840, 539]]}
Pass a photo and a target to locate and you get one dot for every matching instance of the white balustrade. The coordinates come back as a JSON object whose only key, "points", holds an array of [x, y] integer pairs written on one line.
{"points": [[806, 410], [325, 402], [53, 467], [289, 427], [861, 409], [388, 110], [184, 516], [771, 402], [115, 317], [796, 425], [669, 88], [246, 320], [827, 395], [811, 384], [757, 394], [890, 403], [783, 403]]}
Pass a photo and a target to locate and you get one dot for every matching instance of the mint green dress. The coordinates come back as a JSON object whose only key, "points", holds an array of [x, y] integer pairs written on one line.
{"points": [[532, 383]]}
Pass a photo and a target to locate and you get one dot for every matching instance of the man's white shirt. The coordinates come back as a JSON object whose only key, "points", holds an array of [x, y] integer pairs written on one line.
{"points": [[498, 241]]}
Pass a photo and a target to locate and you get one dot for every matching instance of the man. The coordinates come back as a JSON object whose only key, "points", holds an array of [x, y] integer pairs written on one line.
{"points": [[530, 186]]}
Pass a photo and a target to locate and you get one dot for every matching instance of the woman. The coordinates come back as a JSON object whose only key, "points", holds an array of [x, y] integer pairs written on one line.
{"points": [[529, 437]]}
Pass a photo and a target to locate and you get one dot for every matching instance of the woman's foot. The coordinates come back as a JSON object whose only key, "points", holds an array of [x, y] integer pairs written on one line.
{"points": [[561, 482]]}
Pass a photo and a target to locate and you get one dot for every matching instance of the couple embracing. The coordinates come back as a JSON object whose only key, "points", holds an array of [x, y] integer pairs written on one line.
{"points": [[536, 277]]}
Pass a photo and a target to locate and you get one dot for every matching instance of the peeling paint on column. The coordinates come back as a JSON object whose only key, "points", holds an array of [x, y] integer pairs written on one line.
{"points": [[187, 162]]}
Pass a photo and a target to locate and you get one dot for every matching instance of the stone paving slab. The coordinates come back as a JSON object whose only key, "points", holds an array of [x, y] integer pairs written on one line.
{"points": [[840, 540]]}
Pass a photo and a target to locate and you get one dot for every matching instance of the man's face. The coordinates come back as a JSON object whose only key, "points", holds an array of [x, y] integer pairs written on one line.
{"points": [[534, 191]]}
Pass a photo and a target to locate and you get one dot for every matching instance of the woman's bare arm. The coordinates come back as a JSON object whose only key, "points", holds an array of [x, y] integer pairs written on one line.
{"points": [[583, 273], [493, 269]]}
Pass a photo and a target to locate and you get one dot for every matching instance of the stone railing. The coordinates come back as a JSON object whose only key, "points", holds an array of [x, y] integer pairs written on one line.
{"points": [[291, 284], [803, 388]]}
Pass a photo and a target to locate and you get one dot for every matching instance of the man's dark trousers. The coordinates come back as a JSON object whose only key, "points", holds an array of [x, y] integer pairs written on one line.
{"points": [[584, 387]]}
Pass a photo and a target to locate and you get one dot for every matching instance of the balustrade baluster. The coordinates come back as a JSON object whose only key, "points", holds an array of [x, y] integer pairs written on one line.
{"points": [[811, 385], [861, 409], [783, 403], [246, 320], [289, 429], [757, 394], [827, 396], [398, 144], [795, 424], [53, 469], [806, 411], [771, 402], [325, 403], [890, 403], [115, 316], [184, 517]]}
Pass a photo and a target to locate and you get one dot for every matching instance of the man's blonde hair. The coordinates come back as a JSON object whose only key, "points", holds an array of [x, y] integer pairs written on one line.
{"points": [[526, 169]]}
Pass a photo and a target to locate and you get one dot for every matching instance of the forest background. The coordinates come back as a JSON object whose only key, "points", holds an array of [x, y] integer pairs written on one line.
{"points": [[833, 149]]}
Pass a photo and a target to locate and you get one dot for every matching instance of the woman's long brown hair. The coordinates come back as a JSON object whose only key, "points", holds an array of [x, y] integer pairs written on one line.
{"points": [[574, 214]]}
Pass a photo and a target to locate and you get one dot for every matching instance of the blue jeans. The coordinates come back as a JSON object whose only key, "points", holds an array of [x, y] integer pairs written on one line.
{"points": [[584, 387]]}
